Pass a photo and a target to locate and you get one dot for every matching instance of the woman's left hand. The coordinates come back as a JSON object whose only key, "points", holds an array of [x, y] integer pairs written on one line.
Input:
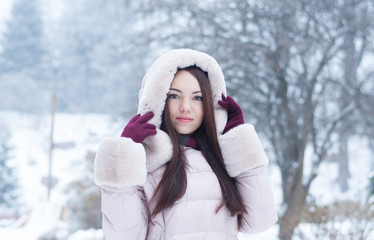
{"points": [[235, 113]]}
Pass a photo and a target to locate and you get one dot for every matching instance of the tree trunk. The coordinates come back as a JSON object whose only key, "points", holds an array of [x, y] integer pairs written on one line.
{"points": [[291, 218], [343, 162]]}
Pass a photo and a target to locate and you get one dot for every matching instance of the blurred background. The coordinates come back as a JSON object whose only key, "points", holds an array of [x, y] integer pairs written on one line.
{"points": [[303, 72]]}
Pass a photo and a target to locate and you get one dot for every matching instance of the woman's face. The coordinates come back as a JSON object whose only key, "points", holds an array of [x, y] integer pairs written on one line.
{"points": [[185, 103]]}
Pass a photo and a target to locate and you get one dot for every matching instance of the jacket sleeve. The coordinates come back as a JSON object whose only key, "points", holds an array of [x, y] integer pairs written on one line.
{"points": [[257, 197], [125, 213], [120, 162], [242, 150], [120, 171], [245, 160]]}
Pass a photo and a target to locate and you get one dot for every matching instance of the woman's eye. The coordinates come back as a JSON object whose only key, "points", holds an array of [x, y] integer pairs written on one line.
{"points": [[173, 96], [198, 98]]}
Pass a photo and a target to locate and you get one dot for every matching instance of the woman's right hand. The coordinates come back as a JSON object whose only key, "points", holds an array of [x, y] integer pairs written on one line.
{"points": [[138, 129]]}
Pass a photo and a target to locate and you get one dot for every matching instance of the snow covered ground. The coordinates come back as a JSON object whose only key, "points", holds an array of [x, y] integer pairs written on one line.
{"points": [[75, 135]]}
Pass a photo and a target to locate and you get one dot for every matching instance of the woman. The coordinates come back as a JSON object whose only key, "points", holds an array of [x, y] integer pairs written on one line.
{"points": [[186, 166]]}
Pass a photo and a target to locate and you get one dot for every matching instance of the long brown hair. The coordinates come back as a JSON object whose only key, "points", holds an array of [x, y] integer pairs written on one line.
{"points": [[174, 181]]}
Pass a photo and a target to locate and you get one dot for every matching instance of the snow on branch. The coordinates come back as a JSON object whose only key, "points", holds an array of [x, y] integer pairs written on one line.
{"points": [[321, 150]]}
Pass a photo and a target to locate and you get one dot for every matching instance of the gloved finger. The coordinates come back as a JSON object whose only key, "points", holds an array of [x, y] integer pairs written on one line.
{"points": [[231, 100], [149, 126], [149, 132], [224, 104], [134, 118], [145, 118], [232, 103]]}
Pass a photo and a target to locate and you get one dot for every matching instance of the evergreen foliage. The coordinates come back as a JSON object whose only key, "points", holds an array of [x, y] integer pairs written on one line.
{"points": [[23, 41], [371, 186], [8, 181], [23, 68]]}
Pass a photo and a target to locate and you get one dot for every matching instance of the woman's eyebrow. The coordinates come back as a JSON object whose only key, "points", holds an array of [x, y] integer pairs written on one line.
{"points": [[177, 90]]}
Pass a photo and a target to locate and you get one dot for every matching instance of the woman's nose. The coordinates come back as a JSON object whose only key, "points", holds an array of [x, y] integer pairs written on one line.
{"points": [[185, 106]]}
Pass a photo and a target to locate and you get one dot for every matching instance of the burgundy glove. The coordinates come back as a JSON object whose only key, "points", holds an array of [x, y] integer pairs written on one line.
{"points": [[138, 129], [235, 113]]}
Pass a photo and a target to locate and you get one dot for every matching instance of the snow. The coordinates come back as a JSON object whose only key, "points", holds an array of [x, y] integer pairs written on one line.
{"points": [[76, 134], [43, 218], [360, 166], [30, 140]]}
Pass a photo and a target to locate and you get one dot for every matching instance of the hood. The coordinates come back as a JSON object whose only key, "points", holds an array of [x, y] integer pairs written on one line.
{"points": [[157, 81]]}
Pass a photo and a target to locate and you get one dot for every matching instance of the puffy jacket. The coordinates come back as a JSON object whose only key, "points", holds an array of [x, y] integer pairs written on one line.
{"points": [[129, 172]]}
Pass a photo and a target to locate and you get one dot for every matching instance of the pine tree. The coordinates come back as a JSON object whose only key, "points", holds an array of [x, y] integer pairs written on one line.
{"points": [[23, 40], [23, 68], [8, 181], [371, 186]]}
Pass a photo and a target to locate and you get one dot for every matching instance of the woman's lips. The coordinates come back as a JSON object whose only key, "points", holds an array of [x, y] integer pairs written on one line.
{"points": [[184, 119]]}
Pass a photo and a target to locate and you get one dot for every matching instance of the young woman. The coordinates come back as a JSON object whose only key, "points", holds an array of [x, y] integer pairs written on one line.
{"points": [[186, 166]]}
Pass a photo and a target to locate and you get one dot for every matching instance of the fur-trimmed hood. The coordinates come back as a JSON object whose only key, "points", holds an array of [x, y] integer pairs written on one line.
{"points": [[157, 81], [153, 95]]}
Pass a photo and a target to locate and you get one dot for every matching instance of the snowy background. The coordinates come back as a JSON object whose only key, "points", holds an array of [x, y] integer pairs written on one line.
{"points": [[92, 54]]}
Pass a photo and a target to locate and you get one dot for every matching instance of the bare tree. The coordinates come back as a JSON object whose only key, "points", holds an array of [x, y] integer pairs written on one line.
{"points": [[356, 19]]}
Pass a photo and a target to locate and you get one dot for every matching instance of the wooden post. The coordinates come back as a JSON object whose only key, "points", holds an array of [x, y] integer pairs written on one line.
{"points": [[53, 111]]}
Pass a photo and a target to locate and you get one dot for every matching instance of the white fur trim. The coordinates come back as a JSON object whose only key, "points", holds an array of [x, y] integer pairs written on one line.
{"points": [[120, 162], [242, 150], [159, 150], [157, 81]]}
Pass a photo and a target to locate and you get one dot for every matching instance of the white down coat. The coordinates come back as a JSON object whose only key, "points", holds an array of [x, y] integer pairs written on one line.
{"points": [[129, 172]]}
